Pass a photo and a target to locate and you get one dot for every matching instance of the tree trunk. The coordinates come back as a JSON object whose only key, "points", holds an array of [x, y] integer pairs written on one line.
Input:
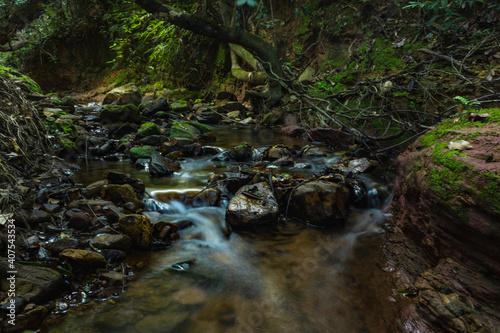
{"points": [[260, 49]]}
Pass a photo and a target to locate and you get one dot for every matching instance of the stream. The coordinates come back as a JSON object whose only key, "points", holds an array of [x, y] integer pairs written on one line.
{"points": [[283, 278]]}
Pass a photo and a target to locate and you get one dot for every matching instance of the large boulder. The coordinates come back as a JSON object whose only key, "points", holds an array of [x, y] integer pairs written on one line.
{"points": [[125, 113], [35, 284], [320, 203], [127, 94], [252, 205], [446, 239]]}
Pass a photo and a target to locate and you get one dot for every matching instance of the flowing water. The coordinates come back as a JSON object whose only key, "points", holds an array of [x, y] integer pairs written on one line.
{"points": [[283, 278]]}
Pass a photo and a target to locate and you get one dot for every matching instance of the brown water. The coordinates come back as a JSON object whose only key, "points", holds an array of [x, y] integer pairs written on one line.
{"points": [[286, 278]]}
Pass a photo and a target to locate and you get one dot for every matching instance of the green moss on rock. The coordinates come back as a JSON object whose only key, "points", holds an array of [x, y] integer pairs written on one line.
{"points": [[141, 152], [146, 130]]}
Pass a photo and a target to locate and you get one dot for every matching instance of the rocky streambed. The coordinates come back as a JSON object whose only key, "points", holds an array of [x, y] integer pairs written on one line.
{"points": [[214, 202]]}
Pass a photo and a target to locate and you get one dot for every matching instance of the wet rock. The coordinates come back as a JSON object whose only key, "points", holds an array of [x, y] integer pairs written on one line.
{"points": [[312, 152], [252, 205], [17, 303], [94, 190], [335, 138], [112, 241], [183, 130], [127, 94], [80, 221], [359, 193], [186, 146], [147, 129], [162, 115], [241, 153], [121, 194], [83, 258], [141, 163], [154, 140], [207, 197], [51, 208], [59, 245], [233, 181], [33, 283], [157, 105], [120, 178], [113, 256], [320, 203], [115, 113], [276, 152], [138, 228], [161, 166], [141, 152], [32, 216], [360, 165]]}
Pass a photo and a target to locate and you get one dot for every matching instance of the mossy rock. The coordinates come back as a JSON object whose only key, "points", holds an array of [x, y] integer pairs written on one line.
{"points": [[141, 152], [126, 113], [161, 115], [180, 106], [146, 130], [200, 127], [183, 130], [138, 228]]}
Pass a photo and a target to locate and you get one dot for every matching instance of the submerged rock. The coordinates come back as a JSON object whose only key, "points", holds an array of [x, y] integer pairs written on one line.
{"points": [[252, 205], [321, 204]]}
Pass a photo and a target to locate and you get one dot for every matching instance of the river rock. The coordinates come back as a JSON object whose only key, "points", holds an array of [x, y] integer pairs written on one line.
{"points": [[161, 166], [445, 242], [183, 130], [83, 258], [91, 206], [252, 205], [147, 129], [276, 152], [120, 178], [80, 221], [157, 105], [35, 284], [209, 115], [121, 194], [115, 113], [112, 241], [123, 129], [320, 203], [138, 228], [207, 197], [141, 152], [94, 189], [127, 94], [186, 146]]}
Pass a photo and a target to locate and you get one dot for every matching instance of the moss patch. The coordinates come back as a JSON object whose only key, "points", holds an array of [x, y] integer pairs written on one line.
{"points": [[147, 129]]}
